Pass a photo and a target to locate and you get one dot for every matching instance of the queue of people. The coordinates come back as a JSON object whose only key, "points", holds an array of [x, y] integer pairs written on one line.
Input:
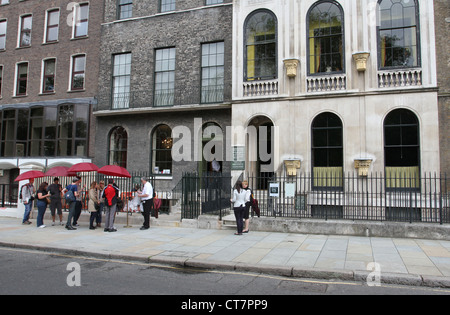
{"points": [[102, 199]]}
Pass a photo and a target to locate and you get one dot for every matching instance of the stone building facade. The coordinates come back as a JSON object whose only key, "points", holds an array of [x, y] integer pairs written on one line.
{"points": [[339, 82], [163, 65], [48, 79]]}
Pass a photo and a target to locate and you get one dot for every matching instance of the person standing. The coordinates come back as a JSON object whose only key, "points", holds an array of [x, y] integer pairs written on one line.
{"points": [[27, 196], [42, 203], [240, 197], [111, 194], [93, 204], [74, 189], [101, 187], [248, 204], [55, 200], [78, 203], [147, 201]]}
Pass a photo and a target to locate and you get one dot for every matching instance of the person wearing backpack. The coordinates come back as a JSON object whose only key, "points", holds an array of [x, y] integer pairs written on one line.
{"points": [[70, 194], [111, 195], [27, 196]]}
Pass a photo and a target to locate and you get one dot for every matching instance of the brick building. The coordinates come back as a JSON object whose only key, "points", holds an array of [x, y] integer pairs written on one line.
{"points": [[163, 64], [442, 21], [48, 83]]}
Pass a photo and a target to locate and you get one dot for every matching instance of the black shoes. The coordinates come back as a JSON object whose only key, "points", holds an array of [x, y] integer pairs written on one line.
{"points": [[70, 228], [144, 228], [110, 230]]}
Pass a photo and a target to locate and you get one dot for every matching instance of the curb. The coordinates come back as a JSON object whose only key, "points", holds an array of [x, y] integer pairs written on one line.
{"points": [[285, 271]]}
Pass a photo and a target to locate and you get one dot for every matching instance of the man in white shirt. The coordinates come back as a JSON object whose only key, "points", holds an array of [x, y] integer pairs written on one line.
{"points": [[147, 201]]}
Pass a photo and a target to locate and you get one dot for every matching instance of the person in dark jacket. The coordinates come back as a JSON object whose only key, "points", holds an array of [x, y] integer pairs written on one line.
{"points": [[110, 194]]}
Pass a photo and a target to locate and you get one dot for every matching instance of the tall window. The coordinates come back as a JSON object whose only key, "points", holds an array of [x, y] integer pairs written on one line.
{"points": [[48, 78], [398, 34], [25, 30], [327, 151], [125, 9], [164, 77], [167, 5], [326, 38], [81, 21], [45, 131], [212, 72], [36, 131], [78, 72], [261, 46], [52, 28], [121, 81], [3, 35], [162, 150], [118, 144], [402, 149], [22, 79]]}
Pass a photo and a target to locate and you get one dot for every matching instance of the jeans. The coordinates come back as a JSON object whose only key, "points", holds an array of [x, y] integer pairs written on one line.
{"points": [[76, 215], [239, 214], [42, 206], [26, 215], [71, 213]]}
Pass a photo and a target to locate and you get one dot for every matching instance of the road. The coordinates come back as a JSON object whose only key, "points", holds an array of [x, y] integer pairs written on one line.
{"points": [[33, 272]]}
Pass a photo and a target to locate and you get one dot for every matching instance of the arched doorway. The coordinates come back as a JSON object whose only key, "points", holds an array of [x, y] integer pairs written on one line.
{"points": [[260, 150]]}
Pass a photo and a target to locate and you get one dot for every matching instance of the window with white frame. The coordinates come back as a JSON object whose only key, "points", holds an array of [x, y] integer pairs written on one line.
{"points": [[125, 9], [167, 5], [212, 72], [81, 21], [21, 78], [121, 81], [3, 34], [48, 75], [25, 30], [1, 80], [52, 26], [164, 77], [78, 72]]}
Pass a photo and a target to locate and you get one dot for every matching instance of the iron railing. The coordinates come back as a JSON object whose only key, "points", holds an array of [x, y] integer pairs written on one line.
{"points": [[355, 198], [198, 95]]}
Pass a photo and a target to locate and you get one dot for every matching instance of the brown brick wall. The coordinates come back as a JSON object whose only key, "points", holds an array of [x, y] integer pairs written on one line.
{"points": [[61, 50], [442, 16]]}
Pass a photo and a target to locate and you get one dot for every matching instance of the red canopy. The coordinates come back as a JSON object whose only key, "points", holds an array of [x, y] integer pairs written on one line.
{"points": [[60, 171], [114, 170], [83, 167], [29, 175]]}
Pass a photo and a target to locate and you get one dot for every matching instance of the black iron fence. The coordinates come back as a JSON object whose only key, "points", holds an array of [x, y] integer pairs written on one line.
{"points": [[349, 197], [8, 195], [207, 193]]}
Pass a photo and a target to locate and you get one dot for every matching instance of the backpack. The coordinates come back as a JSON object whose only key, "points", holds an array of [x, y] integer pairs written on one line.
{"points": [[70, 196]]}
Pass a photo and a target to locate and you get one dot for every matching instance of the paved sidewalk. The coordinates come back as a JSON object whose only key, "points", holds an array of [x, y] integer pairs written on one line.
{"points": [[402, 261]]}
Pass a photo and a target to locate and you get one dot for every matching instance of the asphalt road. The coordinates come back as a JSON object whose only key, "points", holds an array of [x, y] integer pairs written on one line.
{"points": [[29, 272]]}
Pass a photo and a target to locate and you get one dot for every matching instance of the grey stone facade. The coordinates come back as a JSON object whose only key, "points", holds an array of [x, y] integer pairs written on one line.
{"points": [[186, 29]]}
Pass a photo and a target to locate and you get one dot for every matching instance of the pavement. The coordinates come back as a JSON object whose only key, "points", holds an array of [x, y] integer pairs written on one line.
{"points": [[417, 262]]}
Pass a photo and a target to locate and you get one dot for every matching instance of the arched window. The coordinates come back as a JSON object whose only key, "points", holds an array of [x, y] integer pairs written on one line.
{"points": [[402, 149], [162, 150], [327, 151], [398, 34], [326, 38], [260, 46], [118, 143]]}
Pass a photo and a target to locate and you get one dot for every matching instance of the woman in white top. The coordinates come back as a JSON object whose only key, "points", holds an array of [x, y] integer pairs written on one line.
{"points": [[240, 197]]}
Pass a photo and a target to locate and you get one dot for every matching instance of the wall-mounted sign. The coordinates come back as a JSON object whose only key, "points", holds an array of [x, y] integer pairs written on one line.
{"points": [[274, 190], [238, 162]]}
